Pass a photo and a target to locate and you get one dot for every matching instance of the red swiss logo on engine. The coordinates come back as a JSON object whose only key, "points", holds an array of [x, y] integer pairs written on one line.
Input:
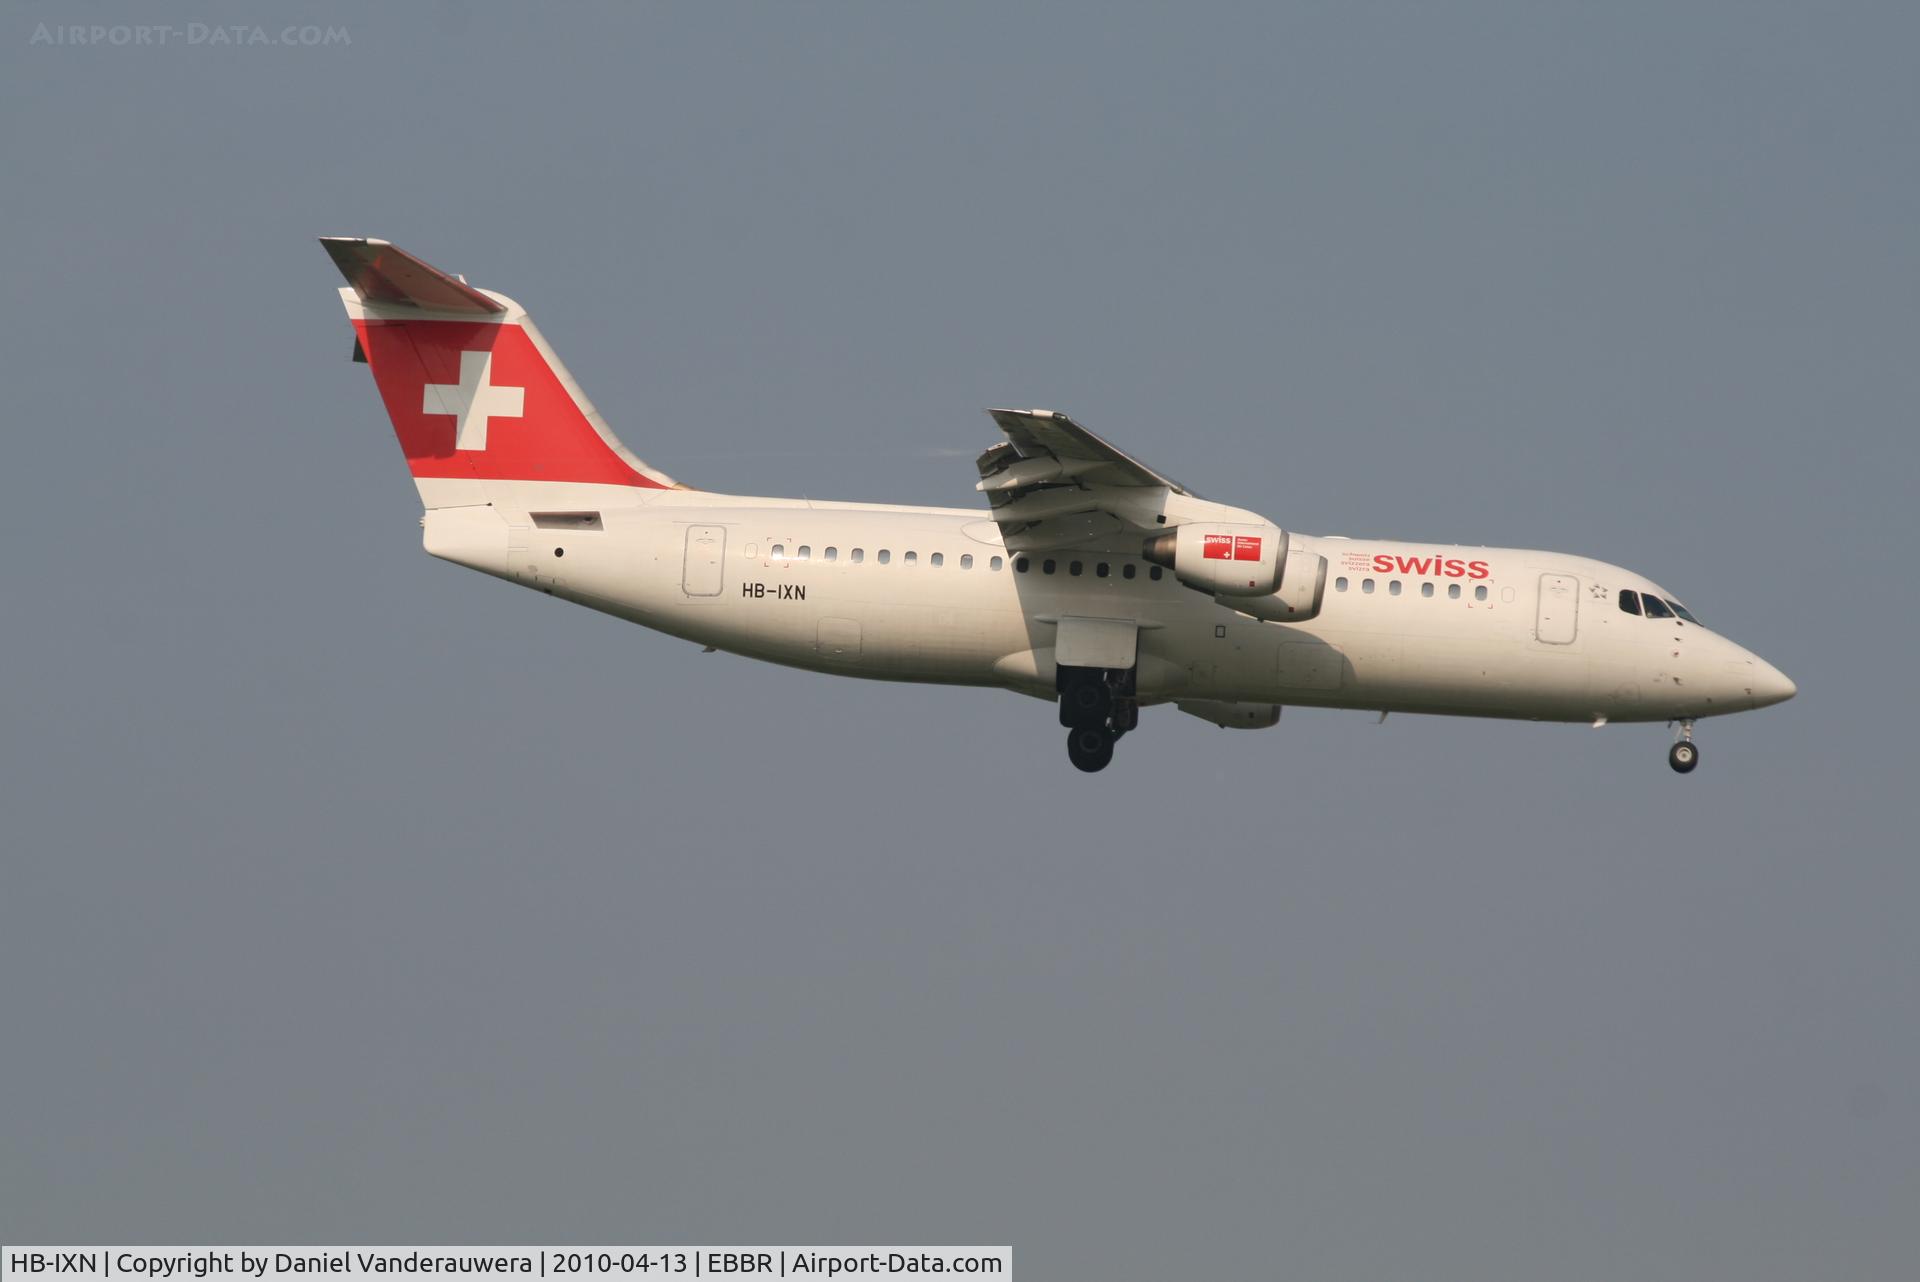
{"points": [[1230, 547]]}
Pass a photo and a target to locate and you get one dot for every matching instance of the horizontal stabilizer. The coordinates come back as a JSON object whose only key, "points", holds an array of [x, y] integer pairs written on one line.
{"points": [[382, 274]]}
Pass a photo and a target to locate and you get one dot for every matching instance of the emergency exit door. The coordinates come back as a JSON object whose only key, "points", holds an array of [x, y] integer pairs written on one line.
{"points": [[706, 560], [1559, 616]]}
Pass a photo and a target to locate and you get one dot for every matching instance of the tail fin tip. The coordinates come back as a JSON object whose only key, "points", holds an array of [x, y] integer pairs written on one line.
{"points": [[385, 275]]}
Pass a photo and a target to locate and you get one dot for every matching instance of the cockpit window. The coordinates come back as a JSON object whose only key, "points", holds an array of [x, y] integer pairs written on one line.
{"points": [[1629, 600], [1656, 608], [1682, 611]]}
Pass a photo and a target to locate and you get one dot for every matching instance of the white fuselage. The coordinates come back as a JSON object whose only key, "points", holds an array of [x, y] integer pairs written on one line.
{"points": [[933, 594]]}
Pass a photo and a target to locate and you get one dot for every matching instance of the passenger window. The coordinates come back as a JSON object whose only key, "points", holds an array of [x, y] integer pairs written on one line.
{"points": [[1426, 589], [1020, 565], [966, 560], [938, 558], [1100, 570], [995, 563], [1366, 585], [831, 554], [1393, 588], [1480, 593], [1656, 608], [1340, 584], [913, 558], [884, 556], [779, 551], [1128, 570], [804, 553], [1046, 567], [1074, 569], [1684, 613], [1453, 591], [859, 555], [1629, 600], [1153, 572]]}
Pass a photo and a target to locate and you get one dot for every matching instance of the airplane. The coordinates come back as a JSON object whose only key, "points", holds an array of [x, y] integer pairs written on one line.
{"points": [[1090, 579]]}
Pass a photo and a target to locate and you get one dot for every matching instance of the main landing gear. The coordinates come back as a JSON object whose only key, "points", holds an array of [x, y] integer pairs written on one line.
{"points": [[1684, 756], [1090, 748], [1097, 707]]}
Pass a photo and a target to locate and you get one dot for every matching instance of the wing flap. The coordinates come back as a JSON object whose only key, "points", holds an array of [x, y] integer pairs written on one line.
{"points": [[1044, 434], [1054, 484]]}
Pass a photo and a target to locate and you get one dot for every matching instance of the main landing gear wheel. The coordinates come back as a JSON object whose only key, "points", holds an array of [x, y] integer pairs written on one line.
{"points": [[1090, 748], [1098, 706], [1087, 701]]}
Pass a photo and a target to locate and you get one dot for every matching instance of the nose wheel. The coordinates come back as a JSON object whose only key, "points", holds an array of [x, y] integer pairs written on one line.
{"points": [[1684, 755]]}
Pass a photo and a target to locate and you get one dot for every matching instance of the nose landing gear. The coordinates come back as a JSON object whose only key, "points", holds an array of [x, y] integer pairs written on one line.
{"points": [[1684, 756], [1098, 706]]}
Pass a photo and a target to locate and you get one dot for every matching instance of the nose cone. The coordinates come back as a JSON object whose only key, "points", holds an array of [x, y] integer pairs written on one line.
{"points": [[1770, 685], [1750, 681]]}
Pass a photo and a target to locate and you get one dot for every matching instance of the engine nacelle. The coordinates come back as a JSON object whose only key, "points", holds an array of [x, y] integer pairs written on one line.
{"points": [[1233, 716], [1229, 559], [1302, 588]]}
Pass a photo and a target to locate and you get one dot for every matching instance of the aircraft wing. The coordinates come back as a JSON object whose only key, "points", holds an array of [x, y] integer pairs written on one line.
{"points": [[1052, 483]]}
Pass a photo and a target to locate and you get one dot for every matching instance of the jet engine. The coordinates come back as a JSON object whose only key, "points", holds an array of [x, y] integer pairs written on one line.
{"points": [[1303, 587], [1228, 559]]}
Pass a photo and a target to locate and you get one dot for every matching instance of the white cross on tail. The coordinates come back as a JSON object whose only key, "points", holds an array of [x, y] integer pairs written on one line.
{"points": [[473, 400]]}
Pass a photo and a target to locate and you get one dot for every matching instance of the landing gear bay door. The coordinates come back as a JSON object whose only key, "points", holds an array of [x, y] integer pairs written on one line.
{"points": [[1111, 644]]}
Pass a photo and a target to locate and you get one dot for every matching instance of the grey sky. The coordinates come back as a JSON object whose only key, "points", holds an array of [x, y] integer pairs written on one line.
{"points": [[350, 896]]}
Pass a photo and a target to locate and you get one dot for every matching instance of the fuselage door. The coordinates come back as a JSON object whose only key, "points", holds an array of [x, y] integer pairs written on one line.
{"points": [[1559, 617], [706, 560]]}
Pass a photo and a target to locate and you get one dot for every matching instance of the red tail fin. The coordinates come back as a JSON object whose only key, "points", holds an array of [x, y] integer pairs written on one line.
{"points": [[474, 392]]}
